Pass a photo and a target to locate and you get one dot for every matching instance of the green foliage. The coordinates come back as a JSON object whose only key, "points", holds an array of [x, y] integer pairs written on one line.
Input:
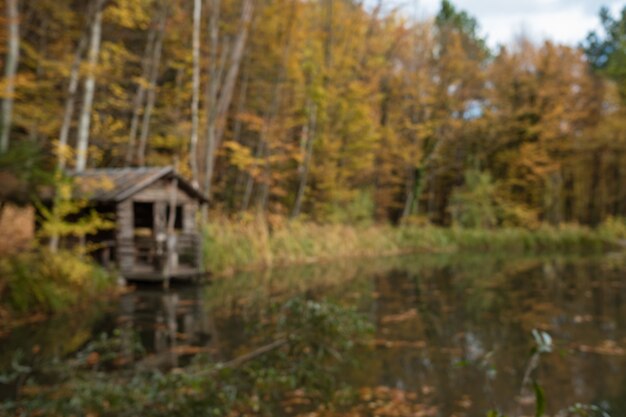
{"points": [[474, 204], [614, 227], [356, 211], [540, 400], [60, 221], [607, 52], [449, 18], [22, 173], [46, 282]]}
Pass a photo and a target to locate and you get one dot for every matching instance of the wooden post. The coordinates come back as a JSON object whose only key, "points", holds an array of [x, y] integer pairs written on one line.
{"points": [[124, 236], [171, 235]]}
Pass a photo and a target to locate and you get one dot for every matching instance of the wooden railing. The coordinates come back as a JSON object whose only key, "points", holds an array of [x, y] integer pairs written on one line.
{"points": [[147, 251]]}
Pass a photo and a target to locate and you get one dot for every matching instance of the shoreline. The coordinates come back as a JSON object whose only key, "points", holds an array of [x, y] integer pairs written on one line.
{"points": [[231, 247]]}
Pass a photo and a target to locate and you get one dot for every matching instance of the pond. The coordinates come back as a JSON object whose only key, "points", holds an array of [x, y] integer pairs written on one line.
{"points": [[452, 334]]}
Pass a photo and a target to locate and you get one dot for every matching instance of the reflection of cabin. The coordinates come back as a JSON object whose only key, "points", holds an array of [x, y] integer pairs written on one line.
{"points": [[155, 212]]}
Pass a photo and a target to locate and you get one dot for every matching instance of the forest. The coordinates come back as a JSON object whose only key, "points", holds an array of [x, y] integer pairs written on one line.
{"points": [[403, 219], [332, 110]]}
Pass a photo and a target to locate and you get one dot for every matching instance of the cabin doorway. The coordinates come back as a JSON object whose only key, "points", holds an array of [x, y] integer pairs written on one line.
{"points": [[144, 235]]}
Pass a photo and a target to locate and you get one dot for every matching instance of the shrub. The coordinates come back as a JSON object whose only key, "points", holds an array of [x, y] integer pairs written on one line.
{"points": [[46, 282]]}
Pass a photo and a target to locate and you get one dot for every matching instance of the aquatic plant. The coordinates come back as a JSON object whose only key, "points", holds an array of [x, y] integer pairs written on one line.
{"points": [[299, 356]]}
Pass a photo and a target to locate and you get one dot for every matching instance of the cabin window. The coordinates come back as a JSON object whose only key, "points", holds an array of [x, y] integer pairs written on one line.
{"points": [[143, 215], [178, 221]]}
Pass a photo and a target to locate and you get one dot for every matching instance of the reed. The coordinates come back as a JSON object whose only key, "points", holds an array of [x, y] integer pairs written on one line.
{"points": [[231, 246]]}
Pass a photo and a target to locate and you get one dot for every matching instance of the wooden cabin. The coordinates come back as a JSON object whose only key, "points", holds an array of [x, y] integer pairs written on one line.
{"points": [[155, 210]]}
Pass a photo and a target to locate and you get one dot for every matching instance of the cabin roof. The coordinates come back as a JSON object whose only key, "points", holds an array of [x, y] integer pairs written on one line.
{"points": [[118, 184]]}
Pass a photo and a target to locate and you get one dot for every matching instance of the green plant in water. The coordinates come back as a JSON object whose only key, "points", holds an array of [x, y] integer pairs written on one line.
{"points": [[302, 356], [544, 345]]}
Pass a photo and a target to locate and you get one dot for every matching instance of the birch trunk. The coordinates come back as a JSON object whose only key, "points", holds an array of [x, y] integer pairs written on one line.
{"points": [[215, 76], [151, 94], [226, 93], [211, 102], [70, 103], [140, 95], [10, 70], [247, 194], [310, 139], [90, 86], [195, 100]]}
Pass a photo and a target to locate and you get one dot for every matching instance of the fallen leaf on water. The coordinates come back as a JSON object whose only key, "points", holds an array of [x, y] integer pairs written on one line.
{"points": [[607, 347], [394, 318], [465, 402], [190, 350], [583, 319], [419, 344], [93, 358]]}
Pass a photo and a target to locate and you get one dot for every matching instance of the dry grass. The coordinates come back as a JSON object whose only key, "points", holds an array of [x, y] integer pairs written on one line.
{"points": [[17, 229], [255, 243]]}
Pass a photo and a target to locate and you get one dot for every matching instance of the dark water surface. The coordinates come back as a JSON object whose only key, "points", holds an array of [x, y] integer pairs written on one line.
{"points": [[454, 332]]}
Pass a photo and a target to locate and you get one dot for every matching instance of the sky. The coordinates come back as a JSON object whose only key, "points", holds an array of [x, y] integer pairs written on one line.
{"points": [[563, 21]]}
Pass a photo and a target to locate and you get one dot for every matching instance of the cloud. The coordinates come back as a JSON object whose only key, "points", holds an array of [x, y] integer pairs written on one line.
{"points": [[563, 21]]}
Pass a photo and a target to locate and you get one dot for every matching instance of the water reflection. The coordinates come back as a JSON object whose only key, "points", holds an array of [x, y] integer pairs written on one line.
{"points": [[170, 325], [467, 343], [452, 331]]}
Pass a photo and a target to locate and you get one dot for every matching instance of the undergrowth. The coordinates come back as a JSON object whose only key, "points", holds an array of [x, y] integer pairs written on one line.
{"points": [[40, 281]]}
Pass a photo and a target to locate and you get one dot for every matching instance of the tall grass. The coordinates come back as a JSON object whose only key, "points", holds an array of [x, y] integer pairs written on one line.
{"points": [[241, 245]]}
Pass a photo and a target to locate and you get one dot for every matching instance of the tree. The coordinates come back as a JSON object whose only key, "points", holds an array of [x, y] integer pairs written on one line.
{"points": [[607, 52], [195, 101], [155, 63], [90, 86], [10, 70], [214, 139]]}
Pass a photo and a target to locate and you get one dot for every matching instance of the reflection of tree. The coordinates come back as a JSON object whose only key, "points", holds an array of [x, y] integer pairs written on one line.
{"points": [[474, 316]]}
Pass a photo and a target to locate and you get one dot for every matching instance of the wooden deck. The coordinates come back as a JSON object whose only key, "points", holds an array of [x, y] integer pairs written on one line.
{"points": [[146, 274]]}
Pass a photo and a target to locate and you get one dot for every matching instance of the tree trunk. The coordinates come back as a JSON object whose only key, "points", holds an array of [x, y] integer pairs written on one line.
{"points": [[226, 94], [410, 193], [195, 100], [140, 95], [241, 103], [70, 102], [151, 98], [10, 70], [310, 138], [247, 193], [273, 111], [216, 70], [90, 87]]}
